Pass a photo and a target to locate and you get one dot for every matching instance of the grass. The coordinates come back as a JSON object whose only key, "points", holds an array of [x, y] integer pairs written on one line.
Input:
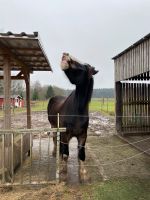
{"points": [[39, 105], [119, 189], [103, 105], [35, 106], [106, 106]]}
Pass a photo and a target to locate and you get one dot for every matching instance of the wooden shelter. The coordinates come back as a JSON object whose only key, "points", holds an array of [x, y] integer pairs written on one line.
{"points": [[132, 86], [22, 53]]}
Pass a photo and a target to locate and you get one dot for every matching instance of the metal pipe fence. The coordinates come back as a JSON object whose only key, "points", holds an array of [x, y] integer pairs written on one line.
{"points": [[15, 150]]}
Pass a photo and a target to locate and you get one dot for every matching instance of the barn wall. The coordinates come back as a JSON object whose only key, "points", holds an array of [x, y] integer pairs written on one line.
{"points": [[133, 106], [134, 62], [136, 107]]}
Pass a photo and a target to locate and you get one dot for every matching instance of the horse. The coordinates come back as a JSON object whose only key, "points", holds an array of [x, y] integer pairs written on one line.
{"points": [[74, 109]]}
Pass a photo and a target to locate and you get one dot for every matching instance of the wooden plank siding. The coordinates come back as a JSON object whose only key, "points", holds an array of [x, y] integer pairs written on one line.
{"points": [[134, 62], [135, 107], [133, 99]]}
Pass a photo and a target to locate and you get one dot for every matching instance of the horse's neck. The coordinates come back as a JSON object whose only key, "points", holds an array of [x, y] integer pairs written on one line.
{"points": [[83, 95]]}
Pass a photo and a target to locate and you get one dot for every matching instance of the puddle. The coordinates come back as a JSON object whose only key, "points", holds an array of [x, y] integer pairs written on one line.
{"points": [[43, 165]]}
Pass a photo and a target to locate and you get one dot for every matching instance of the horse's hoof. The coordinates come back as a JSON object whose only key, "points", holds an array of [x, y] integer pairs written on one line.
{"points": [[54, 153], [63, 169], [84, 178], [83, 171], [48, 133], [65, 157], [63, 177]]}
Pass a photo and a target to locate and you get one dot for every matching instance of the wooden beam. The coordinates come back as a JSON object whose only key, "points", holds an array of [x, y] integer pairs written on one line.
{"points": [[119, 108], [30, 55], [27, 81], [13, 78], [26, 49], [7, 110], [7, 86]]}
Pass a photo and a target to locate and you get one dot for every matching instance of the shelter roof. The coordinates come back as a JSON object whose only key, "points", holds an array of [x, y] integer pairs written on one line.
{"points": [[132, 46], [25, 48]]}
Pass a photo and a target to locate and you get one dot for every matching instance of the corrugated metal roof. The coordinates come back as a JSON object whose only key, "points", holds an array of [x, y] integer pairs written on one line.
{"points": [[132, 46], [26, 48]]}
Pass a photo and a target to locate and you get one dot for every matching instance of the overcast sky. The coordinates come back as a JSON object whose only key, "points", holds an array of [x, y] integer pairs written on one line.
{"points": [[91, 30]]}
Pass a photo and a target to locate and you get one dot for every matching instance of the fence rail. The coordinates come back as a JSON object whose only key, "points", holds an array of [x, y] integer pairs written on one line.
{"points": [[14, 146]]}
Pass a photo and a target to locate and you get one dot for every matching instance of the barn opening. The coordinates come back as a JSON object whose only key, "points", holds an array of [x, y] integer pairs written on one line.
{"points": [[132, 87]]}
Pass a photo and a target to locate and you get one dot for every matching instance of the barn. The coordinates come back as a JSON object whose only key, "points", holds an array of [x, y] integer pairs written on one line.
{"points": [[132, 87], [16, 101]]}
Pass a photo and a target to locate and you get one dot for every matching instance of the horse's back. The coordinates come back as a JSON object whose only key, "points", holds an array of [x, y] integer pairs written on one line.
{"points": [[54, 106]]}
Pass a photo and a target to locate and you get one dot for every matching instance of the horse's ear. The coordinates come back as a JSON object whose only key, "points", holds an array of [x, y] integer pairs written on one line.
{"points": [[94, 71]]}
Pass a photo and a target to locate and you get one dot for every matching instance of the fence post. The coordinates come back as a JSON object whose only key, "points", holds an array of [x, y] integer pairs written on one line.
{"points": [[12, 157], [107, 104], [3, 158], [58, 150]]}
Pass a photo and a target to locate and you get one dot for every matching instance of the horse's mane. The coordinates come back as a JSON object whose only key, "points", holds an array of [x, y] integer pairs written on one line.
{"points": [[84, 95], [90, 90]]}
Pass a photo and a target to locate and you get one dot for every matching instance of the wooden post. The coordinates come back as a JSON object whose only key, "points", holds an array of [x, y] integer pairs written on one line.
{"points": [[119, 104], [148, 107], [7, 113], [27, 80], [58, 149], [28, 107], [7, 95]]}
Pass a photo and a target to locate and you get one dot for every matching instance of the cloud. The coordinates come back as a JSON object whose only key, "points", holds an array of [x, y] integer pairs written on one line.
{"points": [[91, 30]]}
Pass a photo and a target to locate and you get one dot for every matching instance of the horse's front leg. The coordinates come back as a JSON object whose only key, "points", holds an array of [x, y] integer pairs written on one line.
{"points": [[81, 156], [54, 141], [55, 144], [64, 151], [81, 146], [64, 146]]}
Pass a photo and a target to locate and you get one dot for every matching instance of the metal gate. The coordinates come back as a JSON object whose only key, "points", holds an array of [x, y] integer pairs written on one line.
{"points": [[22, 164]]}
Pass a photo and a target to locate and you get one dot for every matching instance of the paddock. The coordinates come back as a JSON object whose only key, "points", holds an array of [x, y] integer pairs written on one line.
{"points": [[108, 156], [132, 86]]}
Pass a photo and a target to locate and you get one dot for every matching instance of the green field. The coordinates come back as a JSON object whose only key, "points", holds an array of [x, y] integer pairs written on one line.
{"points": [[103, 105]]}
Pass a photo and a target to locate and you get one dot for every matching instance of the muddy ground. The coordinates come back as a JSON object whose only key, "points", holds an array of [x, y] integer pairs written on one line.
{"points": [[108, 158]]}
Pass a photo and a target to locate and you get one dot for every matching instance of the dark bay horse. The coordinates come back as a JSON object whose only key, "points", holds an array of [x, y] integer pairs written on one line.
{"points": [[73, 110]]}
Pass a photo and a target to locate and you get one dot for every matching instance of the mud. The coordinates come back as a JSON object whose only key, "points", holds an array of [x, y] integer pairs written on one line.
{"points": [[108, 157], [43, 165]]}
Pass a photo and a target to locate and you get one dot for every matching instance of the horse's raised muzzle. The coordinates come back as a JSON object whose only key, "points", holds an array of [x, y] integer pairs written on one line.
{"points": [[65, 61]]}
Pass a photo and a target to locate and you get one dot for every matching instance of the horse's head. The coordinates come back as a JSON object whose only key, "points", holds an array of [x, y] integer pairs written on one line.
{"points": [[76, 71]]}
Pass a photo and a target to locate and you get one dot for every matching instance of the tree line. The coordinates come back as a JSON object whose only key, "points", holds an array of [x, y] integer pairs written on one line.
{"points": [[39, 92]]}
